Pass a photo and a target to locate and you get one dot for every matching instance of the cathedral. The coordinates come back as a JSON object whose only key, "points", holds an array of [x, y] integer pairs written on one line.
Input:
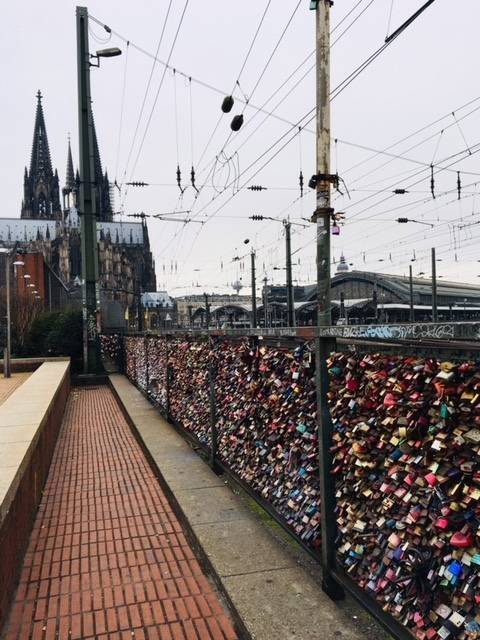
{"points": [[49, 224]]}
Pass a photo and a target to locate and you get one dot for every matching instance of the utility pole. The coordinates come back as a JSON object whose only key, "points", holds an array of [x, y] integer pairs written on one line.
{"points": [[322, 215], [265, 303], [410, 279], [290, 298], [87, 212], [434, 287], [190, 316], [254, 292], [207, 311]]}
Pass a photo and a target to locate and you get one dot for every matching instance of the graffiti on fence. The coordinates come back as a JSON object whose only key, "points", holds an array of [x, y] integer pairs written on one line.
{"points": [[394, 332]]}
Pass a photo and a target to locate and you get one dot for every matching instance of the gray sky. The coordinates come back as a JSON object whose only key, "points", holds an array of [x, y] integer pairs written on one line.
{"points": [[428, 73]]}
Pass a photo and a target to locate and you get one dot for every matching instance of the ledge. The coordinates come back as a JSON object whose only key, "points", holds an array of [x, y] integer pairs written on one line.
{"points": [[30, 419]]}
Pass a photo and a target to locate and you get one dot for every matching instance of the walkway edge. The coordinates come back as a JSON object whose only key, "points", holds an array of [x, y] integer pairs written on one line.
{"points": [[262, 581]]}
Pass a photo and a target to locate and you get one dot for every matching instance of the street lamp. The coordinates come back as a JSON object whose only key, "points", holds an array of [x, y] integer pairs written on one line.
{"points": [[87, 209], [7, 351]]}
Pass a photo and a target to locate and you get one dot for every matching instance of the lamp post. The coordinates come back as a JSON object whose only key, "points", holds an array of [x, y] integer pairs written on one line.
{"points": [[87, 212], [8, 349]]}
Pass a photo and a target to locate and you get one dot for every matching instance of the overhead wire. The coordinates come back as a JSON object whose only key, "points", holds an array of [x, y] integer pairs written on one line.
{"points": [[257, 31], [152, 110], [195, 80], [262, 73], [122, 109], [347, 29], [149, 81], [339, 89]]}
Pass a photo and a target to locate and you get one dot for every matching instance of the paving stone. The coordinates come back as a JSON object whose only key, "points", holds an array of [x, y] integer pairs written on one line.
{"points": [[107, 555]]}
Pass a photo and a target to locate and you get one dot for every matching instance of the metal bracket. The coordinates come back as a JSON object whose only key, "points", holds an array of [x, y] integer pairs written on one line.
{"points": [[323, 177], [322, 213]]}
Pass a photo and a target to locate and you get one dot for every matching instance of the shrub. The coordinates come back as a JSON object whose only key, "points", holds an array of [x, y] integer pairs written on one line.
{"points": [[57, 333]]}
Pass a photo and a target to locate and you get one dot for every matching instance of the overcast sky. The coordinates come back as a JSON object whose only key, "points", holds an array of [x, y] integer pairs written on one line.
{"points": [[429, 72]]}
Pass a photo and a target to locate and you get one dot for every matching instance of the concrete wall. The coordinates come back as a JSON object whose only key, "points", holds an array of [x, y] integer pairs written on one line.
{"points": [[30, 420]]}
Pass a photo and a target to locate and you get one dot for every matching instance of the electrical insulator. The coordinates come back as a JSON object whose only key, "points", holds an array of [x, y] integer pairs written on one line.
{"points": [[236, 123], [257, 187], [402, 220], [400, 192], [138, 184], [227, 104], [256, 217]]}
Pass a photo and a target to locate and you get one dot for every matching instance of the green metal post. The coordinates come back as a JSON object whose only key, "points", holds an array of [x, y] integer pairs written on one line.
{"points": [[87, 212]]}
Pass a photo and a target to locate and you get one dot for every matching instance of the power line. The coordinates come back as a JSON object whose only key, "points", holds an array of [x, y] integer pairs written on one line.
{"points": [[267, 64], [187, 76], [160, 87], [421, 171], [257, 31], [147, 89], [336, 92], [122, 107], [415, 133], [347, 29], [415, 146]]}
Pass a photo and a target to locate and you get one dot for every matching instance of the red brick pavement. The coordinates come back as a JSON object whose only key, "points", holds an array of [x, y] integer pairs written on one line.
{"points": [[8, 385], [107, 557]]}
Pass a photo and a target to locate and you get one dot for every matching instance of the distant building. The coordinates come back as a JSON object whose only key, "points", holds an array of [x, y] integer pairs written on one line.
{"points": [[366, 297], [225, 310], [159, 311], [52, 228]]}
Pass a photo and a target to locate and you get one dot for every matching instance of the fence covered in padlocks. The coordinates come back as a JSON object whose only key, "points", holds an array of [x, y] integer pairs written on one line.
{"points": [[406, 465]]}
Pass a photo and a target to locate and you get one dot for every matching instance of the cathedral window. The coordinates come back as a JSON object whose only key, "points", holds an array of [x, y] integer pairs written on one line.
{"points": [[42, 205]]}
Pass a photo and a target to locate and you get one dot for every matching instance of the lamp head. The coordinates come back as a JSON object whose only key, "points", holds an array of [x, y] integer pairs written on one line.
{"points": [[111, 52]]}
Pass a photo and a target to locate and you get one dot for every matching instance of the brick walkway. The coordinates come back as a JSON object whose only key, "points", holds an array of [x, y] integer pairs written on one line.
{"points": [[8, 385], [107, 556]]}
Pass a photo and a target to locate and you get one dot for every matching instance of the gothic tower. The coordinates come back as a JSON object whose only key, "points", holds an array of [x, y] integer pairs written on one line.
{"points": [[102, 185], [70, 190], [41, 191]]}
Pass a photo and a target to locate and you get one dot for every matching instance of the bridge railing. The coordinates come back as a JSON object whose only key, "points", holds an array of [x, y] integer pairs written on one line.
{"points": [[403, 457]]}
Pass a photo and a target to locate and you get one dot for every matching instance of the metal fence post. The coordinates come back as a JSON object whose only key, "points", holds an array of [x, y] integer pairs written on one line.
{"points": [[213, 411], [327, 481], [122, 358], [146, 351], [168, 376]]}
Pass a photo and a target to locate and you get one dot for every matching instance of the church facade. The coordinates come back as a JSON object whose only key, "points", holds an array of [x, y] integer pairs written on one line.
{"points": [[49, 224]]}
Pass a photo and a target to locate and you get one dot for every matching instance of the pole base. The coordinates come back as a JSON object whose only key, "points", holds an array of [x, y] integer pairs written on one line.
{"points": [[332, 588], [89, 379]]}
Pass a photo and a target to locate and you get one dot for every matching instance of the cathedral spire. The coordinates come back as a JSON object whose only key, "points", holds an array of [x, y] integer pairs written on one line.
{"points": [[41, 198], [97, 163], [102, 184], [70, 177], [70, 189], [40, 162]]}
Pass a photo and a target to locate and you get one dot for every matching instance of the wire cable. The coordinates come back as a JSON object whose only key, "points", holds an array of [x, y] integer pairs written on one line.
{"points": [[149, 82], [257, 31], [122, 108], [147, 126], [347, 29]]}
